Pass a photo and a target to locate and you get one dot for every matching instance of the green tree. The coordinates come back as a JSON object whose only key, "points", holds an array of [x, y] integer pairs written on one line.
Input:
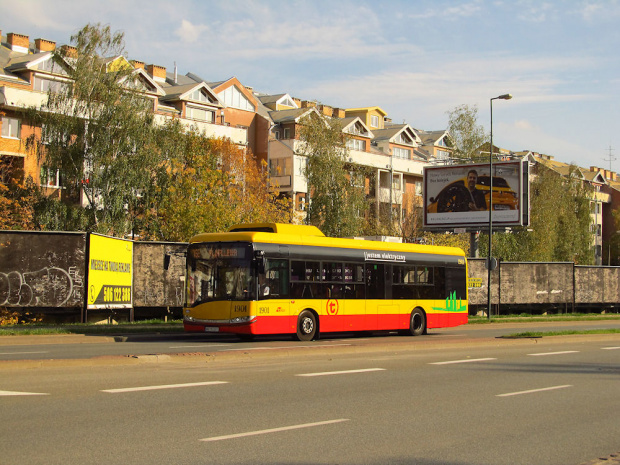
{"points": [[17, 200], [467, 135], [97, 131], [559, 223], [613, 252], [207, 185], [448, 239], [336, 189]]}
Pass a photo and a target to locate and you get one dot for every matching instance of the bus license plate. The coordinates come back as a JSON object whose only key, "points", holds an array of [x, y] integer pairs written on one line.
{"points": [[211, 329]]}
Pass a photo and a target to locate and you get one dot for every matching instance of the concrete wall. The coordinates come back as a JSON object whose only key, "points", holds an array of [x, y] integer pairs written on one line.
{"points": [[515, 283], [597, 284], [154, 284], [42, 269]]}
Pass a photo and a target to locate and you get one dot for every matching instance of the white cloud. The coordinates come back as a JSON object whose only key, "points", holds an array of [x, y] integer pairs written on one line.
{"points": [[523, 135], [523, 125], [535, 11], [189, 32], [449, 13]]}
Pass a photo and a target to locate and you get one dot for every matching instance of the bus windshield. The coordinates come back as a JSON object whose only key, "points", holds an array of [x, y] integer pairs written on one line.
{"points": [[219, 272]]}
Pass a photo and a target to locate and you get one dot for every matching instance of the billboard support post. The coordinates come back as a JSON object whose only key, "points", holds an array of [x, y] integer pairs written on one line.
{"points": [[501, 97]]}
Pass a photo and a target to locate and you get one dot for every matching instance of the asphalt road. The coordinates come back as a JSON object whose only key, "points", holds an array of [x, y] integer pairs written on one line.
{"points": [[443, 399], [87, 346]]}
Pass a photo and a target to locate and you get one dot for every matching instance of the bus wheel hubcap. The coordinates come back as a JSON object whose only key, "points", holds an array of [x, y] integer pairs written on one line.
{"points": [[307, 325]]}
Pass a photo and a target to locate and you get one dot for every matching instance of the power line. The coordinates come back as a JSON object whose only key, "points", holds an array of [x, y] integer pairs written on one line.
{"points": [[610, 159]]}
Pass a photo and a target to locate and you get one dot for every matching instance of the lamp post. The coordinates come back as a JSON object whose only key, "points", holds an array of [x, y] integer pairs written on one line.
{"points": [[490, 257]]}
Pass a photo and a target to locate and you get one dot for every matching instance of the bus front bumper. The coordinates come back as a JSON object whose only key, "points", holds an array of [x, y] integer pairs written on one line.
{"points": [[213, 326]]}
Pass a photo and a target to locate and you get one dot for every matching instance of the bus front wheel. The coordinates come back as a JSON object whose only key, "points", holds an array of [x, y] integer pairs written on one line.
{"points": [[417, 323], [306, 326]]}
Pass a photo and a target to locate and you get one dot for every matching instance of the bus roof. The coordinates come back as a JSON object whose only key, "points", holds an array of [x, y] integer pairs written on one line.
{"points": [[278, 233], [300, 229]]}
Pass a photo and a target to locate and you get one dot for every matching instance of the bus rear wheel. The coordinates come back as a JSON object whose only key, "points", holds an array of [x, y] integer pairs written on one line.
{"points": [[306, 326], [417, 323]]}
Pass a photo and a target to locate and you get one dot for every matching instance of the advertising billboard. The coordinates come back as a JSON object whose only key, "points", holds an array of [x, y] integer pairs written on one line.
{"points": [[457, 196], [110, 272]]}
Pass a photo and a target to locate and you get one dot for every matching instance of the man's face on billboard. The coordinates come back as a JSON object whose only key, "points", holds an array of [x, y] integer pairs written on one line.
{"points": [[472, 178]]}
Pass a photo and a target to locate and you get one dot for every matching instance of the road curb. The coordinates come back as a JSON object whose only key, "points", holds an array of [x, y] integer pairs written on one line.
{"points": [[55, 339]]}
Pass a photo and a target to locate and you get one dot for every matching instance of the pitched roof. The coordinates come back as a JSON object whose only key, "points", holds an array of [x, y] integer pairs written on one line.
{"points": [[431, 137], [183, 92], [368, 109], [290, 116], [392, 130], [351, 121]]}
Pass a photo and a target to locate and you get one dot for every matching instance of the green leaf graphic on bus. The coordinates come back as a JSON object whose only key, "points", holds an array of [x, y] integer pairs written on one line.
{"points": [[452, 304]]}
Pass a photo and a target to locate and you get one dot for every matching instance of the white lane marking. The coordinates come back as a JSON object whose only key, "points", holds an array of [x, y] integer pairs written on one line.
{"points": [[19, 393], [534, 390], [467, 360], [162, 386], [273, 430], [610, 348], [203, 346], [33, 352], [554, 353], [291, 347], [345, 372]]}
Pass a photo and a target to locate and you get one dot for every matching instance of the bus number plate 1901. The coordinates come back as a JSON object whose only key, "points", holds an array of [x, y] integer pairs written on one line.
{"points": [[211, 329]]}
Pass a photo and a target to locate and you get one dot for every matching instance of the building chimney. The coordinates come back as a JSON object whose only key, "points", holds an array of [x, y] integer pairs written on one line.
{"points": [[18, 42], [137, 64], [157, 72], [44, 45], [69, 51]]}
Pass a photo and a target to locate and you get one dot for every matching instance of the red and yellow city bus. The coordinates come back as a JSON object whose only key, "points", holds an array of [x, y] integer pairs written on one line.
{"points": [[271, 278]]}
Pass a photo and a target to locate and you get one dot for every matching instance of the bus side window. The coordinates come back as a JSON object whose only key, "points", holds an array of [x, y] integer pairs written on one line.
{"points": [[274, 283], [276, 278], [354, 281], [305, 279], [375, 281]]}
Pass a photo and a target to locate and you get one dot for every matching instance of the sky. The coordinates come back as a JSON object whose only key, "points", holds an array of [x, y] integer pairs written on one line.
{"points": [[418, 60]]}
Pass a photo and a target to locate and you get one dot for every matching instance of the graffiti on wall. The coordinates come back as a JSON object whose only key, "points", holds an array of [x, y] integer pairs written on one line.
{"points": [[47, 287]]}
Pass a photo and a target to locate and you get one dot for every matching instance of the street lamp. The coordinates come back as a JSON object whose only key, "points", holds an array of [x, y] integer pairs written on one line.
{"points": [[490, 257]]}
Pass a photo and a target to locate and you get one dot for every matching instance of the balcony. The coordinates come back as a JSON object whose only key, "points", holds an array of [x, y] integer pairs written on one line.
{"points": [[237, 135], [384, 196], [281, 181], [377, 160], [22, 98]]}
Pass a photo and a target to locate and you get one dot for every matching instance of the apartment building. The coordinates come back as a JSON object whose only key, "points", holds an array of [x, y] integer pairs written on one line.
{"points": [[395, 154], [268, 125], [29, 70]]}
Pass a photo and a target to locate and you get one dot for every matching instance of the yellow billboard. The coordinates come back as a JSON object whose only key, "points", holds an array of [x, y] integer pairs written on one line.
{"points": [[110, 272]]}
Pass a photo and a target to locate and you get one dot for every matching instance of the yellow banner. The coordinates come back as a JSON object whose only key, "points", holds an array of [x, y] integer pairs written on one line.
{"points": [[110, 272]]}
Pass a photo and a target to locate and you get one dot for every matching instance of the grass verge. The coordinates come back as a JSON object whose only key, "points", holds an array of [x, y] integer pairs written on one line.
{"points": [[537, 334], [525, 318], [150, 326]]}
